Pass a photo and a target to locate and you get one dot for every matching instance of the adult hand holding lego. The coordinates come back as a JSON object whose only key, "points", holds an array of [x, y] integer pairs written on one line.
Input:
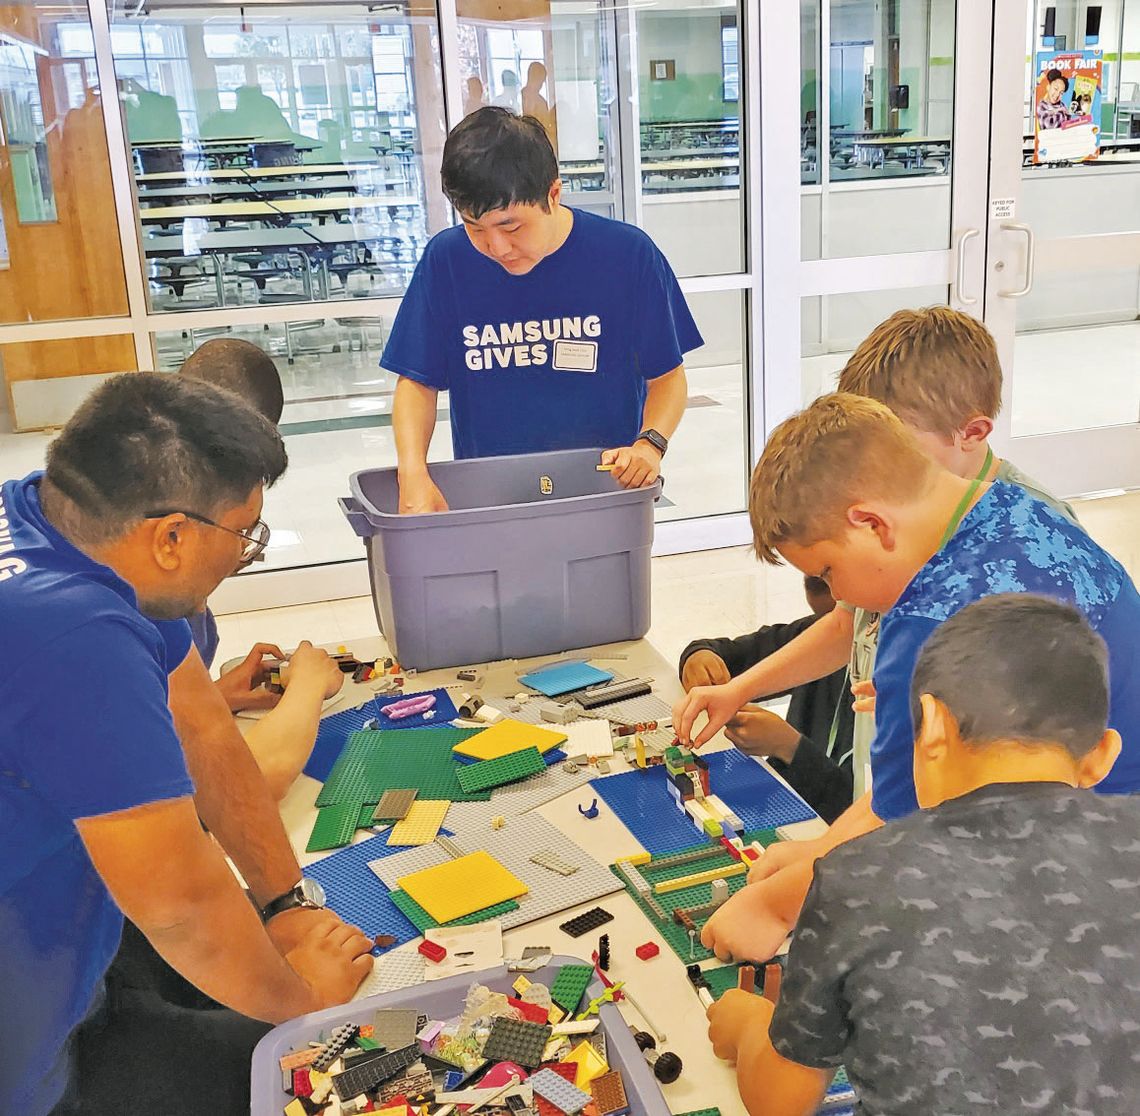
{"points": [[332, 959], [243, 686], [312, 663], [704, 668], [288, 929], [636, 466], [718, 703]]}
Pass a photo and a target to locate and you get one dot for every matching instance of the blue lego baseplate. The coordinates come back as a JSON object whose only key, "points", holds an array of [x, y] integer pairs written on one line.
{"points": [[355, 892], [335, 730], [562, 678], [641, 801]]}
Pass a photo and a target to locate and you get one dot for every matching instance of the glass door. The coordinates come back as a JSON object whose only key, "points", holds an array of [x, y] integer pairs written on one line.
{"points": [[1063, 240]]}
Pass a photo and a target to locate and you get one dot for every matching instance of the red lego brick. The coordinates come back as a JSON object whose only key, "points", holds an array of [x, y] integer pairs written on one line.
{"points": [[730, 848], [535, 1013], [433, 952], [302, 1086], [645, 952]]}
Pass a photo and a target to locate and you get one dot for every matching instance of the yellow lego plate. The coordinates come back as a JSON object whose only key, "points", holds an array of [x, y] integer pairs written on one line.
{"points": [[507, 736], [462, 886], [420, 824]]}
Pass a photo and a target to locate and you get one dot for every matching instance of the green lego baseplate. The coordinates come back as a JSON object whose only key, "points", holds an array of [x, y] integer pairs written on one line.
{"points": [[702, 1112], [334, 827], [728, 976], [570, 986], [422, 921], [675, 935], [373, 762], [502, 770]]}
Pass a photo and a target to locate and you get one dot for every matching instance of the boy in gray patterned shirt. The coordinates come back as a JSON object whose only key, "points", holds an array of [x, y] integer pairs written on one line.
{"points": [[977, 956]]}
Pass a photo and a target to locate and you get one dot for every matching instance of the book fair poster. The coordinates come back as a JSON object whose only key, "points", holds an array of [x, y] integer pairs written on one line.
{"points": [[1066, 106]]}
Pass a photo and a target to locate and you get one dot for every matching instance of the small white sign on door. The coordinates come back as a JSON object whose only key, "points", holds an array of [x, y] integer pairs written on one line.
{"points": [[1002, 209]]}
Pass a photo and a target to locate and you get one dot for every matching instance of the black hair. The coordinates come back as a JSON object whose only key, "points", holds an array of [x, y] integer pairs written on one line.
{"points": [[1017, 666], [145, 441], [493, 159], [813, 584], [1056, 75], [240, 367]]}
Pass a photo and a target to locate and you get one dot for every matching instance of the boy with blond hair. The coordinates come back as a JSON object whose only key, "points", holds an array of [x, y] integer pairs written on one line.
{"points": [[977, 956], [938, 370], [843, 492]]}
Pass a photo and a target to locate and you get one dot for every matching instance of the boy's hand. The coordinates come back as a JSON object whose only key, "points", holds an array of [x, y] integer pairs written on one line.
{"points": [[419, 495], [636, 466], [864, 693], [718, 703], [332, 959], [735, 1015], [751, 924], [243, 686], [760, 732], [780, 855], [309, 662], [704, 668]]}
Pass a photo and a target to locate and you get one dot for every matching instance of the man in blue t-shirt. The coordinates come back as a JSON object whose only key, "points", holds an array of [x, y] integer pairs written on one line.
{"points": [[152, 494], [844, 492], [550, 327]]}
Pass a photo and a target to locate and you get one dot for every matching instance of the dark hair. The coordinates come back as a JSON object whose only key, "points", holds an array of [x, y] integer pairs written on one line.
{"points": [[1056, 75], [240, 367], [148, 440], [813, 584], [1017, 666], [493, 159]]}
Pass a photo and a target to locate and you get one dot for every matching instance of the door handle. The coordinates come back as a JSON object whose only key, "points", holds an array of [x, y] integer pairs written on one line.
{"points": [[1030, 243], [959, 292]]}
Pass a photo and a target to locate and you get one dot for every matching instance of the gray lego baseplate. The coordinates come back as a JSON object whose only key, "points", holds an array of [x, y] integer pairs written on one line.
{"points": [[399, 968], [518, 798], [513, 846]]}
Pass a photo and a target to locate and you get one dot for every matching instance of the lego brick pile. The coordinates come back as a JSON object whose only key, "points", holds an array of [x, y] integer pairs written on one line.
{"points": [[536, 1051]]}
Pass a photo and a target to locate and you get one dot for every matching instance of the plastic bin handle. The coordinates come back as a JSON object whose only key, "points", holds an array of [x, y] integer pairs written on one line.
{"points": [[357, 520]]}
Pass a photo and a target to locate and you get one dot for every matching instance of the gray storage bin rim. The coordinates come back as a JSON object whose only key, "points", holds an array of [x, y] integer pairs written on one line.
{"points": [[366, 518], [446, 996]]}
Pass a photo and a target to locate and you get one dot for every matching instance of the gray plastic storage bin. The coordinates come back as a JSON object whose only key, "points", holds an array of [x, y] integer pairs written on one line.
{"points": [[539, 553], [443, 999]]}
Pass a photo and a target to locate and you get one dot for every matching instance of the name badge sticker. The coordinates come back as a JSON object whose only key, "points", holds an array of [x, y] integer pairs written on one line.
{"points": [[575, 356]]}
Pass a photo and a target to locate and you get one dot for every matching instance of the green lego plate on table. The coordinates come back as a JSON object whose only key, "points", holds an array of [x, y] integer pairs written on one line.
{"points": [[502, 770], [335, 826], [373, 762], [698, 895], [422, 921]]}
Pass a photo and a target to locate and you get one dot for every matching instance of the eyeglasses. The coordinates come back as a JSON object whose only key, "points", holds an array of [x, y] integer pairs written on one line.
{"points": [[256, 539]]}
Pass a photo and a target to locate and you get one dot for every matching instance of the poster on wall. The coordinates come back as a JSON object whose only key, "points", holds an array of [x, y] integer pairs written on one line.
{"points": [[1066, 106]]}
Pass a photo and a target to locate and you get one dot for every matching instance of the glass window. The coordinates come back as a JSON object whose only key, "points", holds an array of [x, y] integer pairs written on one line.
{"points": [[280, 156], [689, 99], [886, 105], [55, 177]]}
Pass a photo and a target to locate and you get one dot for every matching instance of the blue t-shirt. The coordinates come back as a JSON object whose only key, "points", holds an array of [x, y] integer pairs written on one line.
{"points": [[554, 359], [1007, 543], [204, 632], [84, 730]]}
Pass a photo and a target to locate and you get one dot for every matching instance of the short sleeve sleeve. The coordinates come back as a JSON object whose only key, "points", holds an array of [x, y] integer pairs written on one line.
{"points": [[811, 1025], [664, 329], [416, 347], [178, 635], [892, 750], [112, 745]]}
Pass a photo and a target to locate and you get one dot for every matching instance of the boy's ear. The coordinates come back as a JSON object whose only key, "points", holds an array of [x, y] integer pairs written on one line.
{"points": [[976, 431], [1094, 765], [932, 739], [865, 517]]}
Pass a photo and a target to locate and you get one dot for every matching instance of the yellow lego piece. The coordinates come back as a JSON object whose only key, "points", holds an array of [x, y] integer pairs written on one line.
{"points": [[555, 1015], [295, 1108], [462, 886], [507, 736], [589, 1062], [637, 860], [420, 825], [639, 750], [680, 882], [521, 985]]}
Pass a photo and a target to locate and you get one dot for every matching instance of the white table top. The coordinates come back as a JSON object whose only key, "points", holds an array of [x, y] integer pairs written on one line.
{"points": [[660, 984]]}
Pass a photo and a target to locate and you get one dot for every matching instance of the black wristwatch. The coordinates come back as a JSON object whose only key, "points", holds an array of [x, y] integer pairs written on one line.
{"points": [[307, 895], [655, 438]]}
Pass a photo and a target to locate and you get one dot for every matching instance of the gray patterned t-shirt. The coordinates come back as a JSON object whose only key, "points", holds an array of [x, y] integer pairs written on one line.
{"points": [[980, 957]]}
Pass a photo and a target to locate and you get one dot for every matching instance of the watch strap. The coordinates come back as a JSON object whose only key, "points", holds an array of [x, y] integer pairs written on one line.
{"points": [[655, 438]]}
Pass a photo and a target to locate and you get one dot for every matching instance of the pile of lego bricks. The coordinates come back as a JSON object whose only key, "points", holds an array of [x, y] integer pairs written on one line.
{"points": [[538, 1052]]}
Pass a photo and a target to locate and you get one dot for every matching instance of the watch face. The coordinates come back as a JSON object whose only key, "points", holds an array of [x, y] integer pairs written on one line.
{"points": [[312, 891]]}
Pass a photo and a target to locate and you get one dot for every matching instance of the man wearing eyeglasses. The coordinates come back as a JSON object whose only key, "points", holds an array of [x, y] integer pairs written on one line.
{"points": [[152, 494]]}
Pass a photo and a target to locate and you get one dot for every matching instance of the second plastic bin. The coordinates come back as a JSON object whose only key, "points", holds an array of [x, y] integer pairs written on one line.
{"points": [[538, 554]]}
